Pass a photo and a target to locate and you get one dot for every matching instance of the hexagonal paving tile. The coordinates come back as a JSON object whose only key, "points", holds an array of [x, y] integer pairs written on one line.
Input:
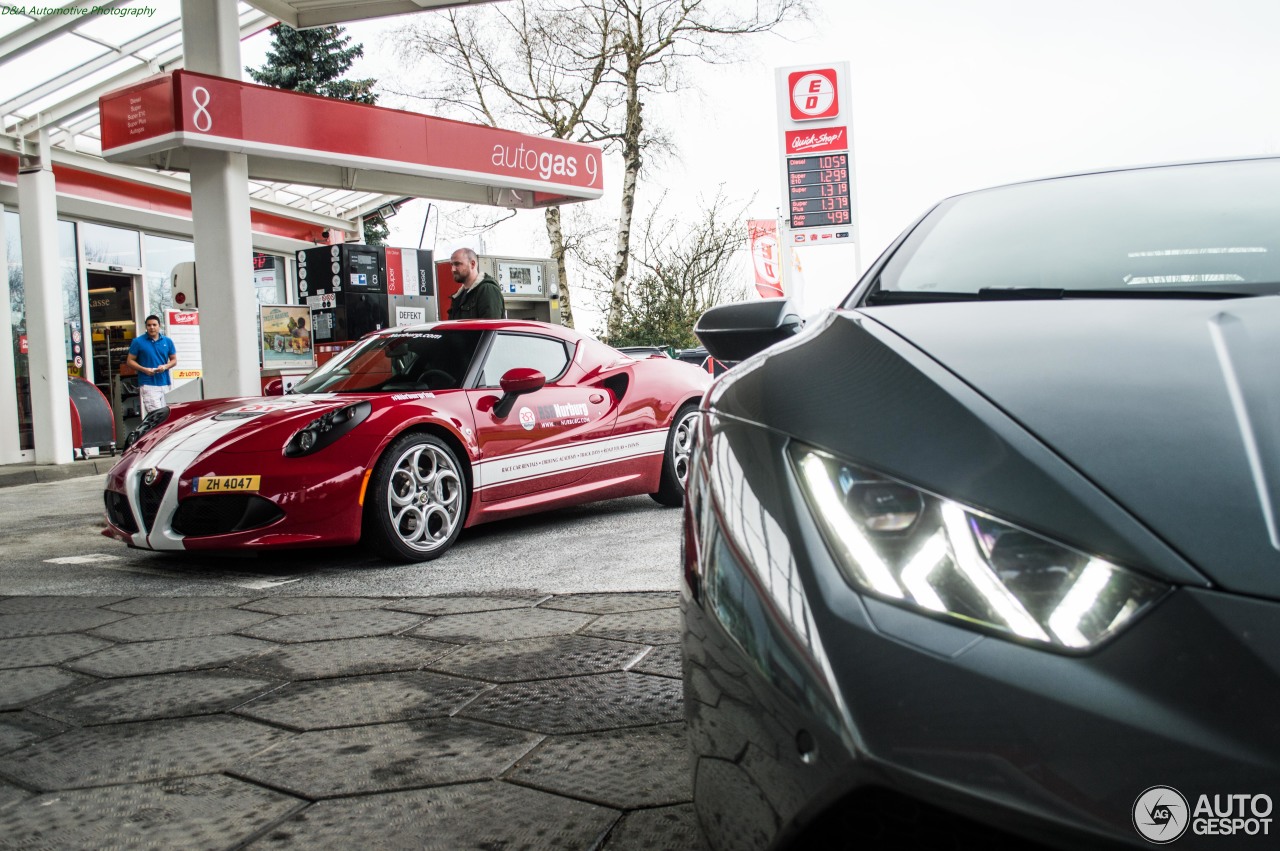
{"points": [[172, 654], [581, 704], [471, 816], [312, 605], [627, 769], [197, 812], [22, 728], [46, 649], [52, 622], [20, 686], [181, 624], [10, 795], [538, 658], [663, 661], [351, 701], [388, 757], [460, 605], [161, 605], [24, 605], [659, 829], [501, 626], [653, 626], [160, 696], [132, 753], [347, 657], [325, 626], [748, 820], [605, 604]]}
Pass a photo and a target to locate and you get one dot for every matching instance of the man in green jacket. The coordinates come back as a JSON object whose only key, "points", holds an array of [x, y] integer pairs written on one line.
{"points": [[479, 297]]}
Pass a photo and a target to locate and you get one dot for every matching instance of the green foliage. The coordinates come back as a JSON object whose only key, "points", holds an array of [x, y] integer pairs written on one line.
{"points": [[313, 61], [657, 314], [684, 267], [376, 231]]}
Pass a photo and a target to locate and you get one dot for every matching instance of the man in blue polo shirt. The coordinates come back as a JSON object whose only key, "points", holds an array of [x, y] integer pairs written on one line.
{"points": [[152, 356]]}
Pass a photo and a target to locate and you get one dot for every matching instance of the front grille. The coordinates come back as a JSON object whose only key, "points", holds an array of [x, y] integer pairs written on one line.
{"points": [[151, 495], [218, 514], [119, 513]]}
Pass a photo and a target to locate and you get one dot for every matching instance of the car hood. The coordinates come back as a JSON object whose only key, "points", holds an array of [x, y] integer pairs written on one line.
{"points": [[245, 424], [1170, 407]]}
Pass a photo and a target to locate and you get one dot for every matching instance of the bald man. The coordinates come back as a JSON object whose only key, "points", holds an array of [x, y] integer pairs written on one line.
{"points": [[479, 297]]}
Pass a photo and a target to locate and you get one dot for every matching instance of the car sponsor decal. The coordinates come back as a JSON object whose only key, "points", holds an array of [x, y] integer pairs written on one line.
{"points": [[405, 397], [227, 484], [528, 419], [589, 453], [572, 413]]}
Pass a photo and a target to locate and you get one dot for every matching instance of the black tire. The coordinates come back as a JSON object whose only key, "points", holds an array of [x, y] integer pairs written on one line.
{"points": [[681, 440], [417, 500]]}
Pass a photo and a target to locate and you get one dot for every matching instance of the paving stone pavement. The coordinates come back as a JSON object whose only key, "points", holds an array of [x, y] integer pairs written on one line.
{"points": [[475, 722]]}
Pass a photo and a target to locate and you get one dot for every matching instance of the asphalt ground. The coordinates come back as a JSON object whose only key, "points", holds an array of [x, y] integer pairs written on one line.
{"points": [[512, 718]]}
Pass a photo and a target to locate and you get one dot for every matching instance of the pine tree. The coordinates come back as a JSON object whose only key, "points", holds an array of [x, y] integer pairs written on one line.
{"points": [[313, 61]]}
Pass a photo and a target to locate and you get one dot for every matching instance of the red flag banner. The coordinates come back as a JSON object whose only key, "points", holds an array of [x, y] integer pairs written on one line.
{"points": [[766, 256]]}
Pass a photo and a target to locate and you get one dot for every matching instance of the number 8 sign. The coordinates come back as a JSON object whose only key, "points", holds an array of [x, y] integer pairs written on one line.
{"points": [[201, 118]]}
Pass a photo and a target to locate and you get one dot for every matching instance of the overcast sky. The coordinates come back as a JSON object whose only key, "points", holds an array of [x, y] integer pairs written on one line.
{"points": [[953, 95]]}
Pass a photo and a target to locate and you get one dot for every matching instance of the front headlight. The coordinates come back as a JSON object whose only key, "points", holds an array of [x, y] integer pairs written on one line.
{"points": [[934, 555], [325, 429]]}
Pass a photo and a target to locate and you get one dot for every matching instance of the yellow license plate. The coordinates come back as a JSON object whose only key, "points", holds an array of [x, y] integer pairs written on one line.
{"points": [[227, 484]]}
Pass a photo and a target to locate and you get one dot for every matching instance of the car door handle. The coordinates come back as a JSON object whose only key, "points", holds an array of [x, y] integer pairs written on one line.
{"points": [[596, 398]]}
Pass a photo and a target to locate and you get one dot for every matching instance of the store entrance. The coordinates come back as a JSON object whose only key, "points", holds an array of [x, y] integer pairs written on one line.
{"points": [[113, 324]]}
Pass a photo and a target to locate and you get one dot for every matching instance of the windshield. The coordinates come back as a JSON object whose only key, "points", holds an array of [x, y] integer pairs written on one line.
{"points": [[1194, 227], [397, 362]]}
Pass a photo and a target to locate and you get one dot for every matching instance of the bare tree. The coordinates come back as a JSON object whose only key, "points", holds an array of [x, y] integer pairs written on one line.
{"points": [[524, 66], [682, 267], [659, 38], [582, 70]]}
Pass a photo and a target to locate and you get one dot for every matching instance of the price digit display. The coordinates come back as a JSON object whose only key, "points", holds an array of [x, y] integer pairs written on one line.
{"points": [[818, 191]]}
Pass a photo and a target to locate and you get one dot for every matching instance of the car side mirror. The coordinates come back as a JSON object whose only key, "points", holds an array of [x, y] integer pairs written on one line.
{"points": [[275, 387], [515, 383], [735, 332]]}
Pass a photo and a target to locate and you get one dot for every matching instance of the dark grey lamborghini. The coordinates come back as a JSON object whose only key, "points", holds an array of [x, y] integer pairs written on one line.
{"points": [[990, 554]]}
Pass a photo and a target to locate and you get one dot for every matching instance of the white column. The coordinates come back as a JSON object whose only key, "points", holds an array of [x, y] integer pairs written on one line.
{"points": [[220, 218], [46, 344], [10, 439]]}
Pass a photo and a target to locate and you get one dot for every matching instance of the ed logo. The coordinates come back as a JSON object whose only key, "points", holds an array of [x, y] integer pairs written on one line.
{"points": [[813, 94], [1160, 815]]}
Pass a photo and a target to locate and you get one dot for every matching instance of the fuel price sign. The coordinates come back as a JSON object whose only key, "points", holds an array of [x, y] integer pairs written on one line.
{"points": [[818, 191]]}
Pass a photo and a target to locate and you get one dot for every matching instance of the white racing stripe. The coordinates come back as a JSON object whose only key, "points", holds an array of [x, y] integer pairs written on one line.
{"points": [[531, 465], [176, 451]]}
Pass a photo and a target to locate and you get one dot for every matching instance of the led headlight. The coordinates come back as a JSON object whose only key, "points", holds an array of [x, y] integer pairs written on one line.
{"points": [[325, 429], [150, 421], [931, 554]]}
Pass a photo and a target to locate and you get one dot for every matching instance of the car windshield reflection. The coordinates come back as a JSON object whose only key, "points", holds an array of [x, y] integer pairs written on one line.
{"points": [[400, 362], [1167, 231]]}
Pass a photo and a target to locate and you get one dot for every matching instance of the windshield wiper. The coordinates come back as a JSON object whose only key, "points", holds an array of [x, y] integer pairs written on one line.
{"points": [[1049, 293], [879, 297]]}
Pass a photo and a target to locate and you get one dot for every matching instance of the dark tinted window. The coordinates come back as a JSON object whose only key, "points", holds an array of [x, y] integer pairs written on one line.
{"points": [[1197, 226], [397, 362]]}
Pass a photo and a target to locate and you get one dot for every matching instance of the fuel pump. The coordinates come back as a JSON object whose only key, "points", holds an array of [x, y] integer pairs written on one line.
{"points": [[528, 285]]}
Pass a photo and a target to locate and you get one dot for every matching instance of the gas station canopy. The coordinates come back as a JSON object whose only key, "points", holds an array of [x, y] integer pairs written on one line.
{"points": [[293, 136], [55, 67], [301, 14]]}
